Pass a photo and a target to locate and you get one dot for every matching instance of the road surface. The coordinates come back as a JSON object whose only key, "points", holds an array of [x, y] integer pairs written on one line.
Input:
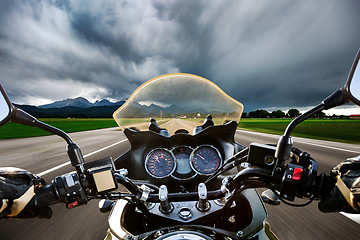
{"points": [[42, 153]]}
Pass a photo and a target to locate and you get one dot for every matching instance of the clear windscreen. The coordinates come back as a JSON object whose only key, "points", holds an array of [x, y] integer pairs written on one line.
{"points": [[177, 101]]}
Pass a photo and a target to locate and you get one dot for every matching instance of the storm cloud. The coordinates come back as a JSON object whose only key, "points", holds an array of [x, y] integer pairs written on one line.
{"points": [[263, 53]]}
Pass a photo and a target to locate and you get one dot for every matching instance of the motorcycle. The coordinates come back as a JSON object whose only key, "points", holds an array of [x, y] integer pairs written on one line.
{"points": [[174, 184]]}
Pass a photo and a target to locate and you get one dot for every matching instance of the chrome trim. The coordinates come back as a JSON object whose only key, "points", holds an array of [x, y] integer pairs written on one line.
{"points": [[115, 220], [145, 193], [185, 179], [147, 157], [272, 158], [205, 145], [195, 173]]}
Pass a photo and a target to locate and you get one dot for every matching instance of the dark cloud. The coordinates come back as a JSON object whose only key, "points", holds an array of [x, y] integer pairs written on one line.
{"points": [[264, 54]]}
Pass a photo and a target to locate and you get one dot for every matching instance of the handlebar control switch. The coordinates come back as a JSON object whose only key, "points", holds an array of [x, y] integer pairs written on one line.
{"points": [[203, 204], [165, 206], [291, 181], [68, 188]]}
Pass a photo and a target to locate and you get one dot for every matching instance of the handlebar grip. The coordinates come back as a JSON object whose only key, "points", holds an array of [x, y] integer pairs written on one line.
{"points": [[38, 206], [46, 195]]}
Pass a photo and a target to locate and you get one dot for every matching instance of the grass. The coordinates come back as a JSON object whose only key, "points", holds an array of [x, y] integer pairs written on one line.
{"points": [[13, 130], [338, 130]]}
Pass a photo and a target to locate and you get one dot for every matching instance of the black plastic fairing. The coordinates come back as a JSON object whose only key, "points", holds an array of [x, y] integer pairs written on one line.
{"points": [[142, 142]]}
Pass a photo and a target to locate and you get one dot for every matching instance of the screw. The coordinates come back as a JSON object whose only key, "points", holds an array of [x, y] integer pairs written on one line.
{"points": [[240, 234]]}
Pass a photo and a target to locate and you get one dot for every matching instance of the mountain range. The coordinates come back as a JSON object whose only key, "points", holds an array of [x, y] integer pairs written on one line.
{"points": [[80, 102], [78, 107], [81, 108], [138, 110]]}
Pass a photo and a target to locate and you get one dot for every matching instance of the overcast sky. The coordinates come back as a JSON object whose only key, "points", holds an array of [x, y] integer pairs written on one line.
{"points": [[265, 54]]}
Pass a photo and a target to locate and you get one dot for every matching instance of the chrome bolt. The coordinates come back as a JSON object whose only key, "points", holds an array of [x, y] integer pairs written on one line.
{"points": [[240, 234]]}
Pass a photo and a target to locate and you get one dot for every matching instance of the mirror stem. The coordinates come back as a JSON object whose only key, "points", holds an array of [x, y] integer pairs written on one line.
{"points": [[301, 118], [284, 145], [285, 142]]}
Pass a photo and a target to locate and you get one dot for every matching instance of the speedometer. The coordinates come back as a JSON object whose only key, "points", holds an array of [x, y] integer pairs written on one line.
{"points": [[160, 163], [205, 160]]}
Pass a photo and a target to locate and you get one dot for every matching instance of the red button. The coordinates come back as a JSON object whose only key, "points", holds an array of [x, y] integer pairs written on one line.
{"points": [[71, 205], [297, 173]]}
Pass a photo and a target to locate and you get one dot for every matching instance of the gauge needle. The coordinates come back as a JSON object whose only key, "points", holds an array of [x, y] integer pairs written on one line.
{"points": [[204, 160], [157, 158], [201, 157]]}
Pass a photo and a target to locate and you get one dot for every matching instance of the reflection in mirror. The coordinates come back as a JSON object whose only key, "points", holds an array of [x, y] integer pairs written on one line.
{"points": [[4, 108], [355, 83]]}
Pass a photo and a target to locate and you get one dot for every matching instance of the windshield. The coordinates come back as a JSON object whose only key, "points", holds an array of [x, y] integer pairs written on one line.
{"points": [[177, 101]]}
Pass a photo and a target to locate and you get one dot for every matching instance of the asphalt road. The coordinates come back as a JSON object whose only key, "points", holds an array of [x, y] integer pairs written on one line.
{"points": [[43, 153]]}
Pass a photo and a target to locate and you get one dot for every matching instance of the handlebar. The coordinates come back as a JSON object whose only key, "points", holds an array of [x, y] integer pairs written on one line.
{"points": [[297, 179], [47, 195], [191, 196], [57, 191]]}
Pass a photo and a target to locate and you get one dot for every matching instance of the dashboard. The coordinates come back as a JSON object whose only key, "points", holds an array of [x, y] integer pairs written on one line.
{"points": [[182, 162], [179, 161]]}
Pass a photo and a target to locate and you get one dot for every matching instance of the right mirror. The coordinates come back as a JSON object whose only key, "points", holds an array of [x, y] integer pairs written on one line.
{"points": [[352, 86], [5, 107]]}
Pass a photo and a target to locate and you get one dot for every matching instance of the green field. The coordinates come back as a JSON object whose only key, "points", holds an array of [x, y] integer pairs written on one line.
{"points": [[339, 130], [13, 130]]}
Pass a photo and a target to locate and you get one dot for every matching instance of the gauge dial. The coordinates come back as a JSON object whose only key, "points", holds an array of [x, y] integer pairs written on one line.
{"points": [[183, 170], [205, 160], [160, 163]]}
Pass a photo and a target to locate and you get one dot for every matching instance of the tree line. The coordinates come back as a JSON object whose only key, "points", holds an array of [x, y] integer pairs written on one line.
{"points": [[261, 113]]}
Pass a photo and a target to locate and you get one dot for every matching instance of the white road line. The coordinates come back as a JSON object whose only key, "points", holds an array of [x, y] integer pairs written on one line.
{"points": [[354, 217], [53, 169], [87, 155], [304, 142], [324, 146]]}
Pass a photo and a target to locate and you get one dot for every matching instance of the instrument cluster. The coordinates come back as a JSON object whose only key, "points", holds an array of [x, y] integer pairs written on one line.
{"points": [[182, 163]]}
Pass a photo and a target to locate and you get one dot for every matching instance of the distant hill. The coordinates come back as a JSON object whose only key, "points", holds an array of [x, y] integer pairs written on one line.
{"points": [[79, 102], [103, 102], [76, 102], [81, 108], [70, 111], [139, 110]]}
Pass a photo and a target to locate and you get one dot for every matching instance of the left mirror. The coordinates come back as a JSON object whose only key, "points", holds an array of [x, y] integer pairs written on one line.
{"points": [[352, 86], [6, 107]]}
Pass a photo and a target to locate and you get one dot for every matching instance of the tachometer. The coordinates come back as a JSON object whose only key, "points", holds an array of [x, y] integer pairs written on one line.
{"points": [[160, 163], [205, 160]]}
